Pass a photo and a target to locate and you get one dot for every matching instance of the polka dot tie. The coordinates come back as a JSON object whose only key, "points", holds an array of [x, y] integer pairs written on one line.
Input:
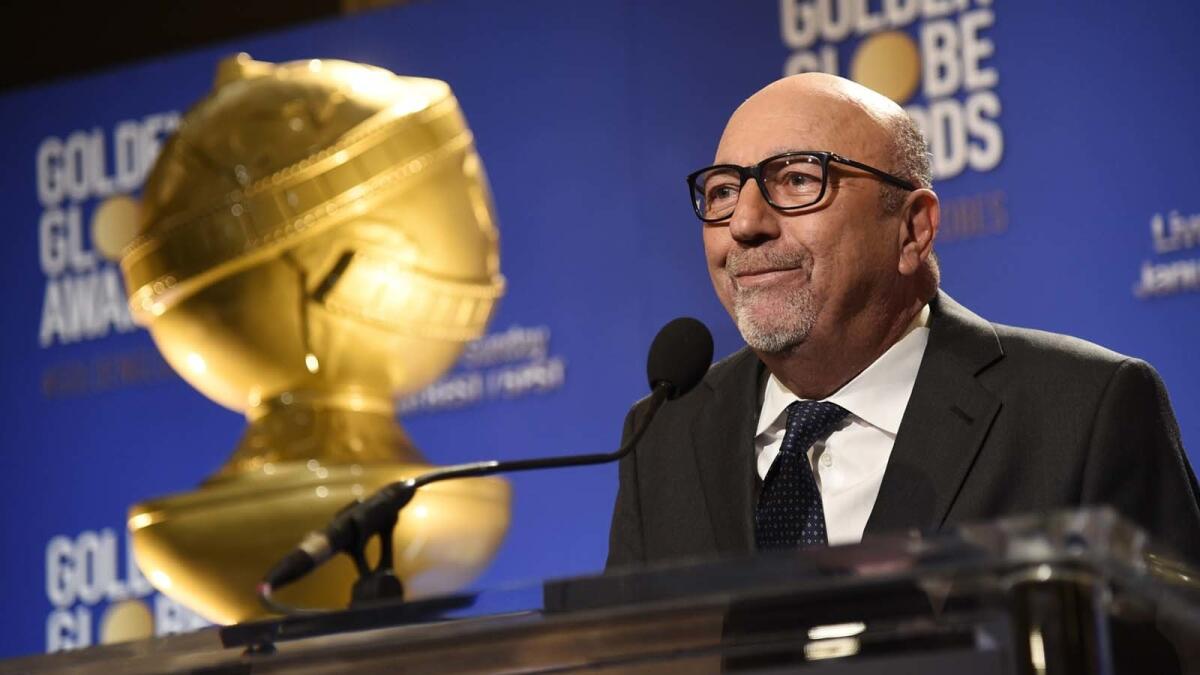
{"points": [[789, 512]]}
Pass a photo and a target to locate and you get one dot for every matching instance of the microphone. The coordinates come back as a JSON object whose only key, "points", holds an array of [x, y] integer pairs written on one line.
{"points": [[679, 357]]}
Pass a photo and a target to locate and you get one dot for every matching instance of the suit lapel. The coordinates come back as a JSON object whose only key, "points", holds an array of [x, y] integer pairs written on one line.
{"points": [[723, 439], [946, 421]]}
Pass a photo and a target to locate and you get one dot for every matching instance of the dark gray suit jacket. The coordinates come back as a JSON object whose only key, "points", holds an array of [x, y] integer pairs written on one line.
{"points": [[1001, 421]]}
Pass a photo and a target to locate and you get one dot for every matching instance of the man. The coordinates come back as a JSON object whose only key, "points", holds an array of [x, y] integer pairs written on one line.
{"points": [[867, 400]]}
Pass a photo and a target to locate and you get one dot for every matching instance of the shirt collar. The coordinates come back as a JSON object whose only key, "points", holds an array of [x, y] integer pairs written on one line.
{"points": [[878, 395]]}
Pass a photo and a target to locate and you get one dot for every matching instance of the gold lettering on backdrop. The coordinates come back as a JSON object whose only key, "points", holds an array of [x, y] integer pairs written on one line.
{"points": [[973, 216], [104, 373]]}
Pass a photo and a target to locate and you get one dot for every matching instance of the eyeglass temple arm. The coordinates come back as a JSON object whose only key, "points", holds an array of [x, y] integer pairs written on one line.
{"points": [[883, 175]]}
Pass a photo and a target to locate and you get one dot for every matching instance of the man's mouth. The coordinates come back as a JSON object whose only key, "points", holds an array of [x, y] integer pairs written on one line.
{"points": [[764, 277]]}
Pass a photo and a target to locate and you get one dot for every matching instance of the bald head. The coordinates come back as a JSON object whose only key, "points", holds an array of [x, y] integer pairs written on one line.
{"points": [[838, 96], [839, 115]]}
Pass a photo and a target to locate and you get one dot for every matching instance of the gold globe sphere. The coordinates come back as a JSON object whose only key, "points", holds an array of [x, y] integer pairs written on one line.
{"points": [[316, 239]]}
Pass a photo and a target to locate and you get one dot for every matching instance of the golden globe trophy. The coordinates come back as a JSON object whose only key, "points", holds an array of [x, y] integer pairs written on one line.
{"points": [[315, 240]]}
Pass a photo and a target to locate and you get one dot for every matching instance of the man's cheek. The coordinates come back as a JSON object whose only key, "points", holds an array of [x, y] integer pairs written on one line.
{"points": [[723, 286]]}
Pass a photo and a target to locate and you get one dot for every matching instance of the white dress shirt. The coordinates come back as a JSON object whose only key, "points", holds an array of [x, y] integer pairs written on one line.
{"points": [[849, 464]]}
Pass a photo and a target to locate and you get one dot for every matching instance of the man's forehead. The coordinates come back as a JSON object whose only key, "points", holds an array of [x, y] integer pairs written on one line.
{"points": [[813, 111], [754, 133]]}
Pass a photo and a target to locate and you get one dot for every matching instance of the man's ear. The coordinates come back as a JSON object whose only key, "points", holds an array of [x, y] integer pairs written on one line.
{"points": [[919, 218]]}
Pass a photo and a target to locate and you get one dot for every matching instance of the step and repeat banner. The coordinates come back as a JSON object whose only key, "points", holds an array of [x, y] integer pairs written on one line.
{"points": [[1064, 148]]}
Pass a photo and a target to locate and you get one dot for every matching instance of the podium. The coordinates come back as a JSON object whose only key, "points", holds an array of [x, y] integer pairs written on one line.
{"points": [[1070, 592]]}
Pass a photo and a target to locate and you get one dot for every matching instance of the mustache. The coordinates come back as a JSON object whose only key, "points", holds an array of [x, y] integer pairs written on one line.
{"points": [[754, 260]]}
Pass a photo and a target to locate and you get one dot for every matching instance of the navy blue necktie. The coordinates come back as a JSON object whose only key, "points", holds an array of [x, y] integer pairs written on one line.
{"points": [[789, 512]]}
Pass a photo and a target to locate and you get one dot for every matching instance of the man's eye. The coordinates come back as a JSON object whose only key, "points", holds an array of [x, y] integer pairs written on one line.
{"points": [[796, 179], [720, 193]]}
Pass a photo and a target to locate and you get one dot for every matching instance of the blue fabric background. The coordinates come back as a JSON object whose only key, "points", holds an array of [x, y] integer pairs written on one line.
{"points": [[588, 115]]}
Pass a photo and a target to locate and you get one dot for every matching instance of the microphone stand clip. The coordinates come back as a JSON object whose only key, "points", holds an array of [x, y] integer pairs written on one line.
{"points": [[376, 516]]}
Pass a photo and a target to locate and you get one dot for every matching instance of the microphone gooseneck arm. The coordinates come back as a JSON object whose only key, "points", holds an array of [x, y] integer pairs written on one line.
{"points": [[360, 521], [679, 357], [659, 394]]}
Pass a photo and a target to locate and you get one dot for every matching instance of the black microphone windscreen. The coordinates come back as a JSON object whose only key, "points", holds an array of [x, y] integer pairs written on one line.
{"points": [[680, 355]]}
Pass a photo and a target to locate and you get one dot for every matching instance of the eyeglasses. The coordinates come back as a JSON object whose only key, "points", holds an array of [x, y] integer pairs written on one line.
{"points": [[788, 182]]}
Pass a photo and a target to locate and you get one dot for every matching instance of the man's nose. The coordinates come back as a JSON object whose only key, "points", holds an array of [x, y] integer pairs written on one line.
{"points": [[753, 219]]}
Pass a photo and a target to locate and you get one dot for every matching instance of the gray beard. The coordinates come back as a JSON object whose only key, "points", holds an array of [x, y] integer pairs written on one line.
{"points": [[786, 323]]}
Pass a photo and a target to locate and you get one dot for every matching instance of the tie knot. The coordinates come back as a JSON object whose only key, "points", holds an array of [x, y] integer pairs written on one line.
{"points": [[809, 421]]}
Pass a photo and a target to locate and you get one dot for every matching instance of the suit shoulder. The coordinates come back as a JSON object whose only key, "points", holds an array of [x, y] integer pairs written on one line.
{"points": [[1058, 360], [1029, 342]]}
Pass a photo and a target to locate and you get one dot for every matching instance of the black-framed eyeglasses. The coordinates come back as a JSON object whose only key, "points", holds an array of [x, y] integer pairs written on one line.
{"points": [[790, 181]]}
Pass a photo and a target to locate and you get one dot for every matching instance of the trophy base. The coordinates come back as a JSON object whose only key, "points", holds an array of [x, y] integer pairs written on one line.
{"points": [[209, 548]]}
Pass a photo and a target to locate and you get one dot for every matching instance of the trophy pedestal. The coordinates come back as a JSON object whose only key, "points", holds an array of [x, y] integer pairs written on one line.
{"points": [[209, 548]]}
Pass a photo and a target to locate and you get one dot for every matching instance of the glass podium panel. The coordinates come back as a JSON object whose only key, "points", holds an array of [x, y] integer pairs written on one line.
{"points": [[1071, 592]]}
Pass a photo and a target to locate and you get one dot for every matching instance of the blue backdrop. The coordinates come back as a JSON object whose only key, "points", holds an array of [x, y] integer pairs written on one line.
{"points": [[1064, 135]]}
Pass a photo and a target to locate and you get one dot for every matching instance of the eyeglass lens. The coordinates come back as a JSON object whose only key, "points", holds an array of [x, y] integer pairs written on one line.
{"points": [[790, 182]]}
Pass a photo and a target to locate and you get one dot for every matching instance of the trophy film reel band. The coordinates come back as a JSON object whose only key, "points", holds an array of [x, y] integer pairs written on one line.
{"points": [[380, 287], [366, 166]]}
